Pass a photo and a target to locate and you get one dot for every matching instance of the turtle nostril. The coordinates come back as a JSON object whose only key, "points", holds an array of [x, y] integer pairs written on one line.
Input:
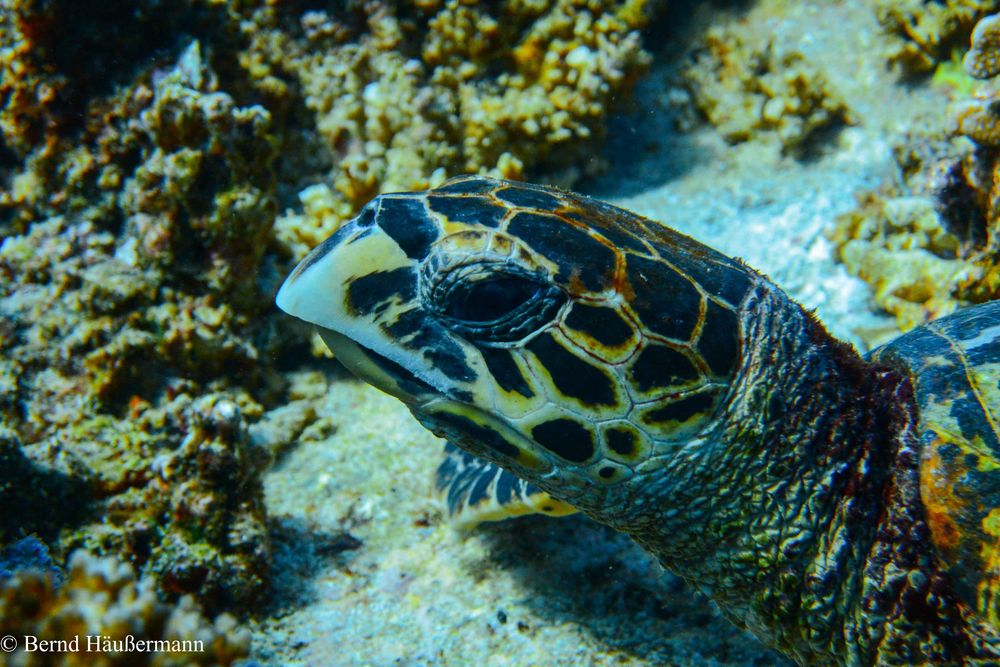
{"points": [[367, 215]]}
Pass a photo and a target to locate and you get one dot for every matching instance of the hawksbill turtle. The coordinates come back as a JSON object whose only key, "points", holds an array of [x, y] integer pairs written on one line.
{"points": [[579, 357]]}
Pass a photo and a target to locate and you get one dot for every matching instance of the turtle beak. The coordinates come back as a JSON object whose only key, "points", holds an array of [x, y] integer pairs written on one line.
{"points": [[316, 292], [376, 370], [360, 289], [310, 291]]}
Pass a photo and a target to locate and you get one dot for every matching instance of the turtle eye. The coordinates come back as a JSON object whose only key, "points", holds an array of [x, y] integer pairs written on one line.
{"points": [[490, 300], [492, 304]]}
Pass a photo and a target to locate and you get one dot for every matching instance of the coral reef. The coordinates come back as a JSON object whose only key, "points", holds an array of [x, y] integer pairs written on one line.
{"points": [[145, 152], [749, 86], [979, 118], [408, 94], [926, 32], [103, 600], [929, 244], [982, 60], [900, 245], [100, 326]]}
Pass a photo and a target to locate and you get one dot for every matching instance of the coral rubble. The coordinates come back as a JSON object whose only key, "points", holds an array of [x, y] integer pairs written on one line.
{"points": [[751, 86]]}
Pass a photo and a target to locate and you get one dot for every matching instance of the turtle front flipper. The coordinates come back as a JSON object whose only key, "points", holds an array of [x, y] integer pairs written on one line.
{"points": [[476, 491]]}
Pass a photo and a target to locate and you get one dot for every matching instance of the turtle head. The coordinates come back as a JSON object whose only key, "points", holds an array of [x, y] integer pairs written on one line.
{"points": [[571, 342]]}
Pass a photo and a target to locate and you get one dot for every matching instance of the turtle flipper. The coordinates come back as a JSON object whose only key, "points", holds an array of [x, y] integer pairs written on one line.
{"points": [[476, 490]]}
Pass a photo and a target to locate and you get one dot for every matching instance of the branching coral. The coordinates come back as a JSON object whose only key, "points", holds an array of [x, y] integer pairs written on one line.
{"points": [[425, 90], [932, 244], [927, 31], [751, 87], [102, 600]]}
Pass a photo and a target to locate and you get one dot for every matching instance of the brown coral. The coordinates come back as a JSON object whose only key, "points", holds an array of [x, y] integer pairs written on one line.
{"points": [[926, 32], [748, 88], [979, 120], [500, 88], [933, 244], [983, 58], [101, 604], [900, 246]]}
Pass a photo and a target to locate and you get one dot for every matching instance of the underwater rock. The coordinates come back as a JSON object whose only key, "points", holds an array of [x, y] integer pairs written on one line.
{"points": [[104, 387], [28, 553], [125, 300]]}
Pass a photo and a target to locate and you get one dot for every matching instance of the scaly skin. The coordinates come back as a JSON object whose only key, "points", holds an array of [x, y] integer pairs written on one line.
{"points": [[771, 466], [800, 514]]}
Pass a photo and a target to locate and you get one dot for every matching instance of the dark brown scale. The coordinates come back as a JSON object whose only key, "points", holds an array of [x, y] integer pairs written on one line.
{"points": [[407, 380], [569, 247], [666, 302], [406, 221], [719, 342], [615, 235], [682, 410], [501, 365], [565, 437], [468, 210], [528, 198], [719, 276], [602, 324], [457, 427], [623, 228], [621, 440], [468, 186], [661, 367], [370, 295], [572, 376], [433, 341]]}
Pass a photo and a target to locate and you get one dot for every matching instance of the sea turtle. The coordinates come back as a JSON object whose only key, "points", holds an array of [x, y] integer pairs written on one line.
{"points": [[578, 356]]}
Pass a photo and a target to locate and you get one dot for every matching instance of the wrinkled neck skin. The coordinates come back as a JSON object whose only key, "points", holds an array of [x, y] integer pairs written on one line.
{"points": [[801, 509]]}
